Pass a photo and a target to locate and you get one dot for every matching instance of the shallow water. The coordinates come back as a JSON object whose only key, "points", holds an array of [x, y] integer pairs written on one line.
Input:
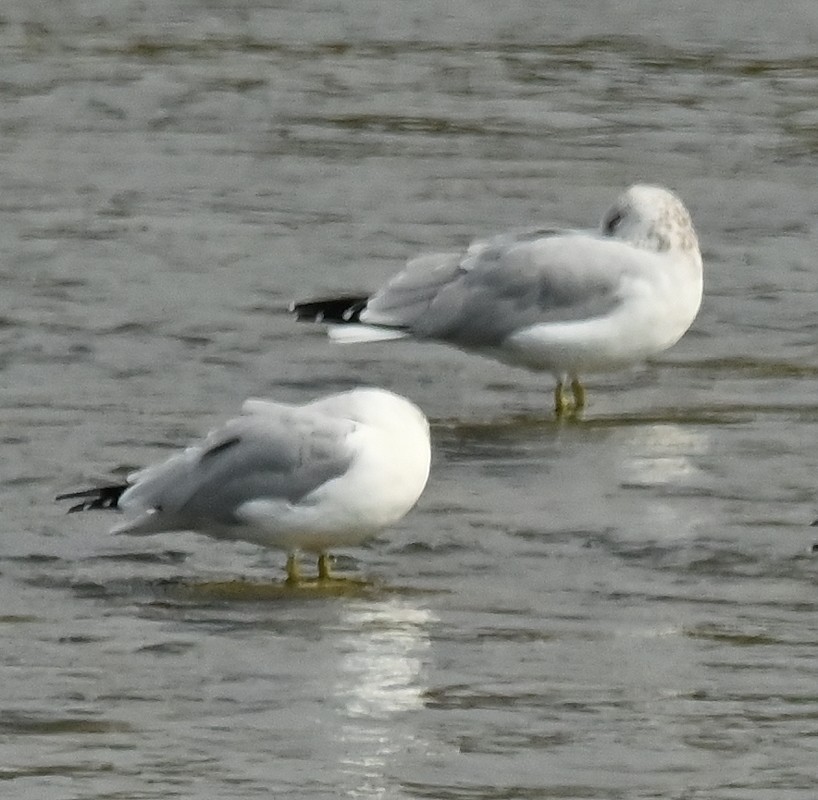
{"points": [[620, 606]]}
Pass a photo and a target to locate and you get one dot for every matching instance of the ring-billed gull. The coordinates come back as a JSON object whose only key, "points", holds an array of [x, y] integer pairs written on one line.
{"points": [[330, 473], [566, 302]]}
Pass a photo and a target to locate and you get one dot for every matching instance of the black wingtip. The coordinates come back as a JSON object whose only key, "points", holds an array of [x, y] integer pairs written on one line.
{"points": [[98, 497], [346, 309]]}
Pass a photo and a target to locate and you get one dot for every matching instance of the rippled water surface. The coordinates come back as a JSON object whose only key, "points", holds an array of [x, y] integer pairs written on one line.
{"points": [[621, 606]]}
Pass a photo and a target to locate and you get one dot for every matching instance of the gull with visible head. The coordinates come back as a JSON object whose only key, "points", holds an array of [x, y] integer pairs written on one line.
{"points": [[569, 302], [330, 473]]}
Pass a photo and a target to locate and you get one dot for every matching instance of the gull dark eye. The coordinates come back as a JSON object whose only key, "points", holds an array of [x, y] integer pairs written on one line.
{"points": [[612, 222]]}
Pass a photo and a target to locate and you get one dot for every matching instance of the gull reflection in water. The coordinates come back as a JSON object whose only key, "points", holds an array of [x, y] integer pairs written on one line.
{"points": [[666, 463], [380, 688], [664, 454]]}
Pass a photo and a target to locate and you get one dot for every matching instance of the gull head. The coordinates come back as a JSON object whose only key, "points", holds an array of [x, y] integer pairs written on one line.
{"points": [[377, 407], [651, 218]]}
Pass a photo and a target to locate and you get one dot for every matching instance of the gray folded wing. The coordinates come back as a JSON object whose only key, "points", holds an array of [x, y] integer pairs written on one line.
{"points": [[407, 296], [250, 458], [505, 284]]}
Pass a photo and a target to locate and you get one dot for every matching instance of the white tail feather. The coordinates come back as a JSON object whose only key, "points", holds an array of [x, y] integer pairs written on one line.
{"points": [[356, 334]]}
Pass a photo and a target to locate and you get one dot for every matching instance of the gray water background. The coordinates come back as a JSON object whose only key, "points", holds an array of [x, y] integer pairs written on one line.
{"points": [[619, 607]]}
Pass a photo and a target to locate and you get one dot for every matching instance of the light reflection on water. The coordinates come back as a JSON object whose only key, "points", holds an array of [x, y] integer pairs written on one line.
{"points": [[380, 684], [665, 454]]}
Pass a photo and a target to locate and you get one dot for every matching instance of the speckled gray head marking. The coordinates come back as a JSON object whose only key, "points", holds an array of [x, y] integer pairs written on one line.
{"points": [[652, 218]]}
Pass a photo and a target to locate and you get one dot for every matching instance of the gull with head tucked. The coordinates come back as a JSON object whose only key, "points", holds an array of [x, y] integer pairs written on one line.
{"points": [[567, 302], [330, 473]]}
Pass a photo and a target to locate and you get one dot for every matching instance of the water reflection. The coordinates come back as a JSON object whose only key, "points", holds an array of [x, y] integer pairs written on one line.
{"points": [[380, 684], [664, 453]]}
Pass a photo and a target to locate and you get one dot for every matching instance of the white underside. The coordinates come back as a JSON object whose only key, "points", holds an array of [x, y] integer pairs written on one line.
{"points": [[598, 345]]}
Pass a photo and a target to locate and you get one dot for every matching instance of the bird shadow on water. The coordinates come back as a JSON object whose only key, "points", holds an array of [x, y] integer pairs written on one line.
{"points": [[242, 590], [187, 591], [525, 423]]}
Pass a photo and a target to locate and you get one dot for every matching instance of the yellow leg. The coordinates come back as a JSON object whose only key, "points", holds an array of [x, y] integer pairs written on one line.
{"points": [[560, 403], [323, 567], [579, 393], [293, 570]]}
